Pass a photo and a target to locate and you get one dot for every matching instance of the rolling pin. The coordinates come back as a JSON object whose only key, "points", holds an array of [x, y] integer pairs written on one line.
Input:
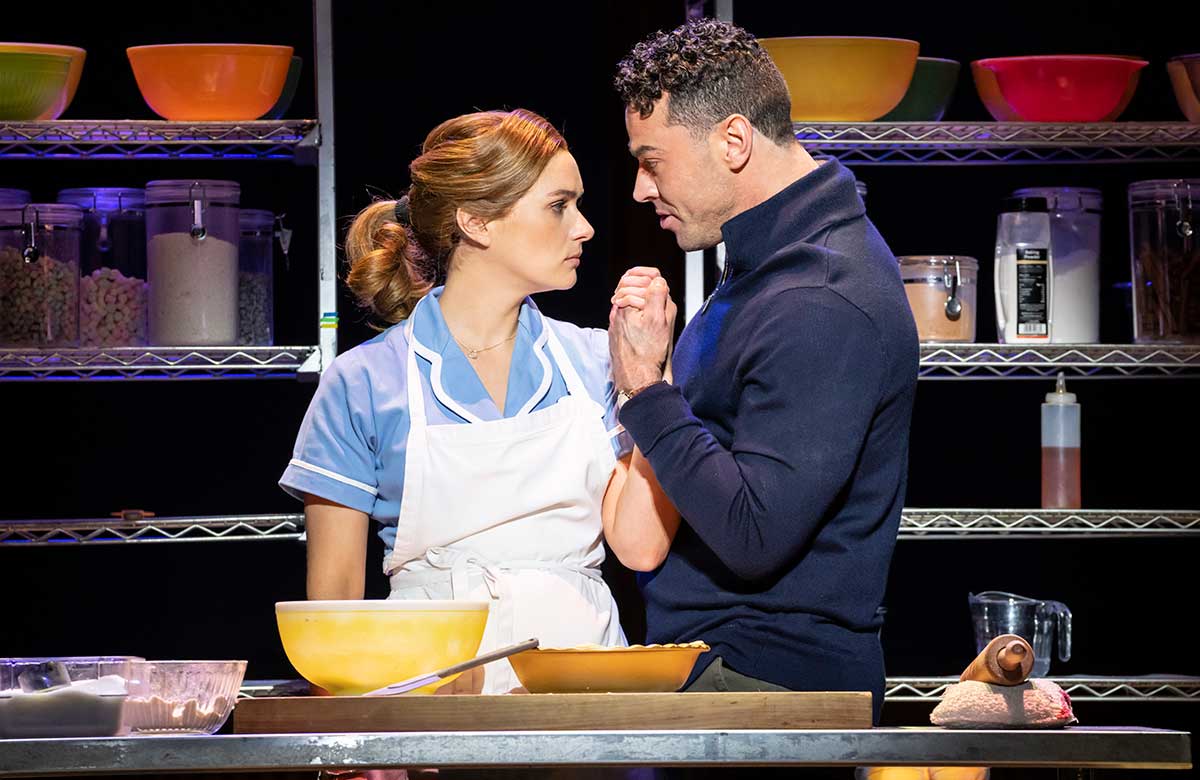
{"points": [[1007, 660]]}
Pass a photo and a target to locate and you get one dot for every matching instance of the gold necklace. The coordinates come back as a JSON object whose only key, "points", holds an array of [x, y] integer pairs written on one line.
{"points": [[473, 354]]}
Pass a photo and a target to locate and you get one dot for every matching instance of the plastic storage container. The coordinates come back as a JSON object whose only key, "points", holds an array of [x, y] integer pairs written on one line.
{"points": [[192, 261], [10, 198], [1164, 228], [1061, 484], [39, 275], [1024, 274], [942, 291], [256, 286], [92, 705], [112, 290], [1075, 245]]}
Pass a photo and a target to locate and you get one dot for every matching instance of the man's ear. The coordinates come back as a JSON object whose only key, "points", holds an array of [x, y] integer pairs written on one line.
{"points": [[473, 228], [736, 136]]}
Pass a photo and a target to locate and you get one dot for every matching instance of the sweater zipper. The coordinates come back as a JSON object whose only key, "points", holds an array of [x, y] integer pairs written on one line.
{"points": [[720, 284]]}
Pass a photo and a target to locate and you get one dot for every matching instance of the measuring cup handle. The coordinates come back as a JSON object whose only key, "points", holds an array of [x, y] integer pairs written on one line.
{"points": [[1063, 620]]}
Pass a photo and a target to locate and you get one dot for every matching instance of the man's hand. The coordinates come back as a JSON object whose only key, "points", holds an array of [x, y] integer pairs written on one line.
{"points": [[641, 327]]}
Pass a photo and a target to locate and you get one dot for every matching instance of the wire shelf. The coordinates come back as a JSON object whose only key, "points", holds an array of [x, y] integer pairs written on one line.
{"points": [[1020, 361], [993, 143], [157, 140], [136, 529], [1166, 688], [1043, 523], [156, 363]]}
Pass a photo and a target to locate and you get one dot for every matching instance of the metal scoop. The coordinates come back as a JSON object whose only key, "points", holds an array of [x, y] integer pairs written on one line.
{"points": [[421, 680], [45, 676]]}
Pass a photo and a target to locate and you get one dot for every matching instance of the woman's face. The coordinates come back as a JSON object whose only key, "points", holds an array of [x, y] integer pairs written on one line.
{"points": [[541, 240]]}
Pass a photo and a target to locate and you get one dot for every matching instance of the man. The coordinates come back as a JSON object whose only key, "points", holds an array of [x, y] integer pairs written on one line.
{"points": [[783, 441]]}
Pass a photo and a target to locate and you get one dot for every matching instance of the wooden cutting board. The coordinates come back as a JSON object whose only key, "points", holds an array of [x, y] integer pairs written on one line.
{"points": [[553, 712]]}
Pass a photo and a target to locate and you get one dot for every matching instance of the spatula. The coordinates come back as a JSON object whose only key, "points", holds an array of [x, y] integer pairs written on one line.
{"points": [[420, 681]]}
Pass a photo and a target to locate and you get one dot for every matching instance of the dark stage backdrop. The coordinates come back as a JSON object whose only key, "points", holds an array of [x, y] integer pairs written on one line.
{"points": [[83, 450]]}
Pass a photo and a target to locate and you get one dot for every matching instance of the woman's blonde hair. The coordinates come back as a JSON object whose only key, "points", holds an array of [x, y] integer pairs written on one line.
{"points": [[482, 163]]}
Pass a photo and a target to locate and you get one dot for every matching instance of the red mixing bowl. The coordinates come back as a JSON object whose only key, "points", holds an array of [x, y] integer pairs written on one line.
{"points": [[1065, 88]]}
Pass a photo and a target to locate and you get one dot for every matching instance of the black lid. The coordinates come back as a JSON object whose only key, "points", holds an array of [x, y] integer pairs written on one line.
{"points": [[1025, 204]]}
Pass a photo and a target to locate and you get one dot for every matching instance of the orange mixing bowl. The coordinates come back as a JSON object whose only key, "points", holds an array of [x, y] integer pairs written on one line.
{"points": [[198, 82], [1185, 81], [77, 56]]}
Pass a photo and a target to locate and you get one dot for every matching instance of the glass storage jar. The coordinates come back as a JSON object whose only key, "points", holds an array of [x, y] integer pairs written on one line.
{"points": [[112, 290], [256, 256], [10, 198], [1164, 248], [192, 261], [942, 291], [39, 275]]}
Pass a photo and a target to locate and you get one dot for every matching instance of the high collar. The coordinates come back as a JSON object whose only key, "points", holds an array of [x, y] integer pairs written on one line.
{"points": [[796, 213]]}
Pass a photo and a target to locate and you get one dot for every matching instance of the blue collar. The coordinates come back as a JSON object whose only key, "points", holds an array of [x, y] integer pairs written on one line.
{"points": [[454, 373]]}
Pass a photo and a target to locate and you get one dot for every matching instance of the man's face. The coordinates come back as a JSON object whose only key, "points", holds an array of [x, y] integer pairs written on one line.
{"points": [[681, 176]]}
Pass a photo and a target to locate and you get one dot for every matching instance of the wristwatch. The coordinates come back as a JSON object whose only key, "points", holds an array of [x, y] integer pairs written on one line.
{"points": [[625, 395]]}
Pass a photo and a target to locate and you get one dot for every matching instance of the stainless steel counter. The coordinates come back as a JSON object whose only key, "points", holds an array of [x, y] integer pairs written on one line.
{"points": [[1085, 748]]}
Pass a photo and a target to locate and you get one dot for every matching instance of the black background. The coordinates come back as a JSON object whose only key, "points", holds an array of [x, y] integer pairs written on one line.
{"points": [[83, 450]]}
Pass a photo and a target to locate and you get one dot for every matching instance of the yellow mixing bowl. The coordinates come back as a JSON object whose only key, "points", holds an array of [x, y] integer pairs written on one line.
{"points": [[351, 647], [843, 79], [77, 56]]}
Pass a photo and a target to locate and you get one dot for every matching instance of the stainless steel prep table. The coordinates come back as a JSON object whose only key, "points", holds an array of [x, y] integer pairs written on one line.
{"points": [[1074, 748]]}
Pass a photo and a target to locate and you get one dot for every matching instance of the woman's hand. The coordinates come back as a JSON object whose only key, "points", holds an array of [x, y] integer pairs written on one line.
{"points": [[641, 328]]}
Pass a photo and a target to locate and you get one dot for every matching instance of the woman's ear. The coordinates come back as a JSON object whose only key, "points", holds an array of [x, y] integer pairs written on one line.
{"points": [[473, 228]]}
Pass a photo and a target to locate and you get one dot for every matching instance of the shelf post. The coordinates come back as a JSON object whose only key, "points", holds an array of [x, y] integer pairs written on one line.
{"points": [[327, 316]]}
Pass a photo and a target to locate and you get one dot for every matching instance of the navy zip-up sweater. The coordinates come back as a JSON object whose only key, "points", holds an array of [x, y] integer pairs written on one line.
{"points": [[784, 445]]}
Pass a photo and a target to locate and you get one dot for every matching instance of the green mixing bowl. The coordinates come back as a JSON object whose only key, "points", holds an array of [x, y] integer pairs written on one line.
{"points": [[929, 93], [31, 84]]}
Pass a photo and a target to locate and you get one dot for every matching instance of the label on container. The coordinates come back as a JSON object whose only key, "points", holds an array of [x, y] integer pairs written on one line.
{"points": [[1033, 305]]}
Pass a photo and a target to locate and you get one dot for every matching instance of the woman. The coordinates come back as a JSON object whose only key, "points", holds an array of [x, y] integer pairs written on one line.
{"points": [[480, 435]]}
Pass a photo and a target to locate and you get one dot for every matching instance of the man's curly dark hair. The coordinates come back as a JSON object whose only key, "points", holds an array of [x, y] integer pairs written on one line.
{"points": [[708, 69]]}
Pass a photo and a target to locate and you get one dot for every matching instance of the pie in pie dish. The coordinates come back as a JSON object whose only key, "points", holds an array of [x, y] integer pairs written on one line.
{"points": [[602, 669]]}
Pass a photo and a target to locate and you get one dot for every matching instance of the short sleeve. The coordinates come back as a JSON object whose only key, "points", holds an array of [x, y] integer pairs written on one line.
{"points": [[621, 440], [334, 456]]}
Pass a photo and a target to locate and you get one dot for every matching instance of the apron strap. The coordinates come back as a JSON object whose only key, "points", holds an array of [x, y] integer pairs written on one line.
{"points": [[575, 385], [547, 372]]}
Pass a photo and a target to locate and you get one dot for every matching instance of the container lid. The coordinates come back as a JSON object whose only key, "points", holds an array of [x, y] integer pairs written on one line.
{"points": [[938, 262], [256, 219], [1065, 198], [1164, 189], [11, 197], [43, 214], [1060, 396], [1025, 204], [183, 190], [104, 198]]}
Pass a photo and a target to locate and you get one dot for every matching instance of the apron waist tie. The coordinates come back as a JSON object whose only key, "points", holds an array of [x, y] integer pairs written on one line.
{"points": [[442, 563], [456, 565]]}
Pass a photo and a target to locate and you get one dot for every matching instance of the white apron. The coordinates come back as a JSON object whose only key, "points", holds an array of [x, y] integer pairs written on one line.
{"points": [[508, 510]]}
